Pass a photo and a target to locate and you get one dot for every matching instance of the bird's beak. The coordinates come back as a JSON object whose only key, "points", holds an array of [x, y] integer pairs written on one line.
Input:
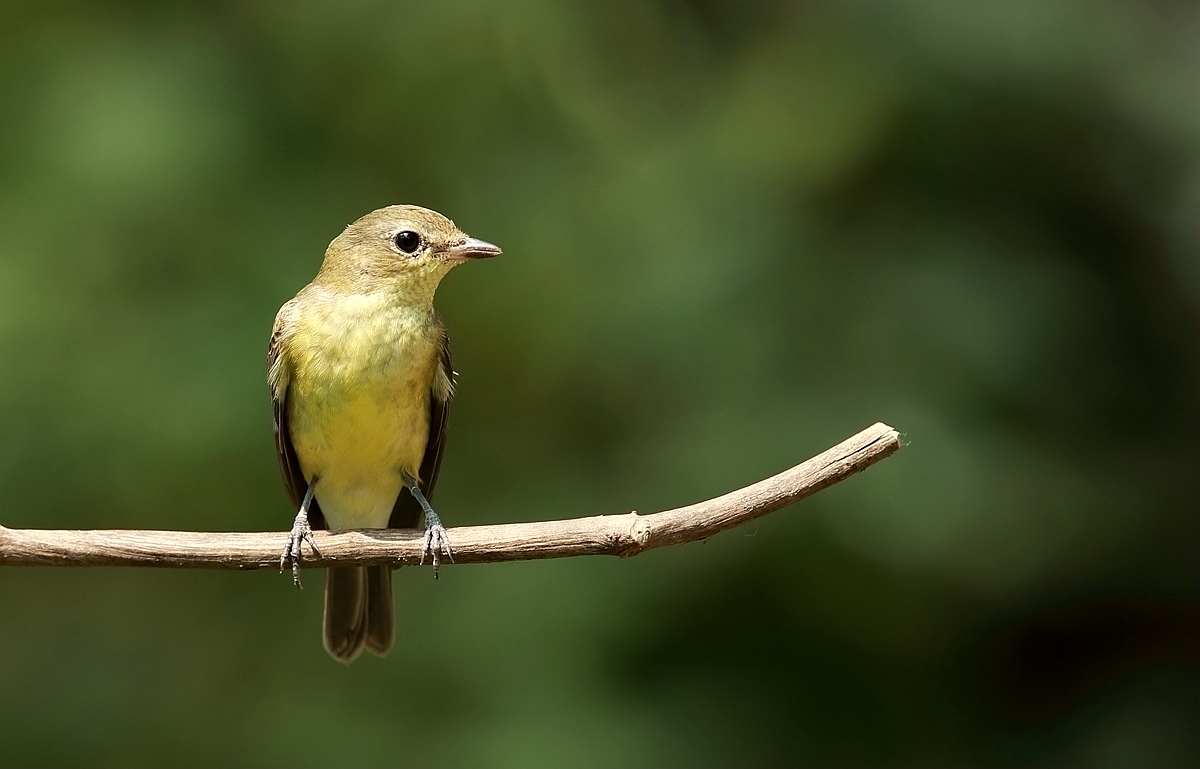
{"points": [[473, 248]]}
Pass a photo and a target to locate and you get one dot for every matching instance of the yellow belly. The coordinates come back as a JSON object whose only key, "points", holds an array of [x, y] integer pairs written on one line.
{"points": [[358, 409]]}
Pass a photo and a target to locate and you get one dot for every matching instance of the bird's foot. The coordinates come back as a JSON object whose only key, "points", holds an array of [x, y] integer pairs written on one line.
{"points": [[436, 545], [301, 533], [436, 542]]}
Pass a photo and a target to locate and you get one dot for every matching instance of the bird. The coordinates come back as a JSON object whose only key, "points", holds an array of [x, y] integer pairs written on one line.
{"points": [[361, 379]]}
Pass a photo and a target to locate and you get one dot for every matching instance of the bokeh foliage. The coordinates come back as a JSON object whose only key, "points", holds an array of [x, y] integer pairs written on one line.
{"points": [[734, 234]]}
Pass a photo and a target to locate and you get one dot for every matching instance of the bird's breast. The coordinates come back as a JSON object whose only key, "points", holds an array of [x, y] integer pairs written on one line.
{"points": [[358, 404]]}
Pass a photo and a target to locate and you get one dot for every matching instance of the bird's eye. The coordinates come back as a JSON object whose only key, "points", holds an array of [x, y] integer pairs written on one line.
{"points": [[407, 241]]}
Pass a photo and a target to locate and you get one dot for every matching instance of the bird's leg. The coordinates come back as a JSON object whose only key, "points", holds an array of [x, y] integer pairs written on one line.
{"points": [[301, 533], [436, 542]]}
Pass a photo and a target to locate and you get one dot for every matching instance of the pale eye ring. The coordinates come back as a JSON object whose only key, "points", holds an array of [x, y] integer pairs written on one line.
{"points": [[407, 241]]}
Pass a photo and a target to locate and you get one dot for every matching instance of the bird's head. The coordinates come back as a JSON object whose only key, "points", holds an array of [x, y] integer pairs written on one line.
{"points": [[402, 249]]}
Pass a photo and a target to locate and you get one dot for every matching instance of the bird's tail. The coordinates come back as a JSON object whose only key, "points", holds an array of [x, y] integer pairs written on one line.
{"points": [[358, 611]]}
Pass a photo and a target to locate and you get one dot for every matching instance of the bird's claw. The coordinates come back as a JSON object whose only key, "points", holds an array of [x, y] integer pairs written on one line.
{"points": [[301, 533], [436, 545]]}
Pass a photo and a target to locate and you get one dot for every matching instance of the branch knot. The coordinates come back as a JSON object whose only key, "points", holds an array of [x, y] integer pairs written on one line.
{"points": [[634, 540]]}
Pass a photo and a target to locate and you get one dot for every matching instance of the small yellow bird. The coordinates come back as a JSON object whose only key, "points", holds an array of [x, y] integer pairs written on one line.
{"points": [[360, 374]]}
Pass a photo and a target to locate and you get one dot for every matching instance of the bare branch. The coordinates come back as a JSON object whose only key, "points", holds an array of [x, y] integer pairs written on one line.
{"points": [[622, 535]]}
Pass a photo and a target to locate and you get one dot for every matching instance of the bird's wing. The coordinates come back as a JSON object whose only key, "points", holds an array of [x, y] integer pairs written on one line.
{"points": [[279, 377], [407, 512]]}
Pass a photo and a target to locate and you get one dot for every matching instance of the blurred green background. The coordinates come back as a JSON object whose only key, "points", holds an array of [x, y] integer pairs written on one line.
{"points": [[734, 235]]}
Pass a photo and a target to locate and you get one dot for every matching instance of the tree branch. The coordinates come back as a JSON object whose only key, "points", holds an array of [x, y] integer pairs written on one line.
{"points": [[622, 535]]}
